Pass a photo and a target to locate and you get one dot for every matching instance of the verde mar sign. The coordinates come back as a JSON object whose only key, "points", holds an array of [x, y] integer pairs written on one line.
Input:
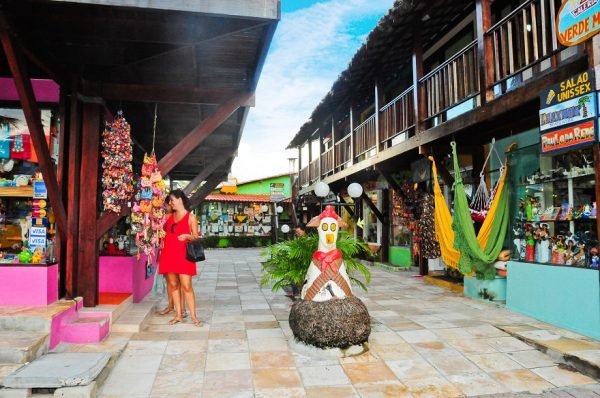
{"points": [[577, 21]]}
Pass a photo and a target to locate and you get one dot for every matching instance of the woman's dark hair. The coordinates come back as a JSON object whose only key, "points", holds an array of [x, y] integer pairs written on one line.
{"points": [[178, 193]]}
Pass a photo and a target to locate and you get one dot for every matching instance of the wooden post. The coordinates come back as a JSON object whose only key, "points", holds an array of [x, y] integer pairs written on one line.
{"points": [[71, 255], [87, 264], [485, 53], [274, 223], [310, 160], [206, 171], [596, 149], [351, 135], [418, 91], [385, 225], [373, 208], [61, 176], [377, 105]]}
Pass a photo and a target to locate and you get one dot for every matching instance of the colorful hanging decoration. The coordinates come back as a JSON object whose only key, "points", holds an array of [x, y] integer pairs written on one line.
{"points": [[148, 216], [117, 175]]}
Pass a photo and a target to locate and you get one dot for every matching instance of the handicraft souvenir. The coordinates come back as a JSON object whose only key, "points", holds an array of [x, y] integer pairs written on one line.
{"points": [[117, 174], [148, 217]]}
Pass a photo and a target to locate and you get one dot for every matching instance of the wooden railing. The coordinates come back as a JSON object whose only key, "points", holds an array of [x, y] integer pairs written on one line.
{"points": [[314, 171], [343, 152], [451, 83], [397, 116], [523, 38], [365, 136], [304, 177], [327, 162]]}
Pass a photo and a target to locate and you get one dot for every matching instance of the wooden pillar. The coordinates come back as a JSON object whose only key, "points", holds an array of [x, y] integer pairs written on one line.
{"points": [[62, 179], [418, 90], [351, 135], [377, 105], [596, 149], [485, 52], [385, 225], [73, 173], [273, 223], [87, 264]]}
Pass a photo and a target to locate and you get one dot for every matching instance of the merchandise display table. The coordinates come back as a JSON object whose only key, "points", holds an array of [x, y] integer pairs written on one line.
{"points": [[28, 284], [561, 295], [126, 274]]}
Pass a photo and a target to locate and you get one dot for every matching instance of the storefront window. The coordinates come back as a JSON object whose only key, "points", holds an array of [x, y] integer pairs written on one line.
{"points": [[553, 207], [372, 231]]}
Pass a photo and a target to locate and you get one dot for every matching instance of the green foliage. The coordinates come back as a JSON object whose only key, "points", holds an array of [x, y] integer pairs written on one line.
{"points": [[288, 261], [223, 243]]}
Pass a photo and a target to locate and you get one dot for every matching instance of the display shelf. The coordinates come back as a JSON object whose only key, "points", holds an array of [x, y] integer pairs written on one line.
{"points": [[556, 180], [21, 192], [551, 264], [555, 221]]}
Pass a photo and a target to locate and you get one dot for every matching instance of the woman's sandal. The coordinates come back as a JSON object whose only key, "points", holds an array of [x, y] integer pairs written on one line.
{"points": [[166, 311], [175, 320], [197, 322]]}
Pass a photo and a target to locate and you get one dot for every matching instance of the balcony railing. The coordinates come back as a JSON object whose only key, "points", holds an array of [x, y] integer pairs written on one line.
{"points": [[343, 152], [523, 38], [304, 177], [397, 117], [314, 171], [327, 161], [365, 136], [451, 83]]}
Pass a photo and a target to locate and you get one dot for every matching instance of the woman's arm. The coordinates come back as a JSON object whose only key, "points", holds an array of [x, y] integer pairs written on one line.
{"points": [[193, 227]]}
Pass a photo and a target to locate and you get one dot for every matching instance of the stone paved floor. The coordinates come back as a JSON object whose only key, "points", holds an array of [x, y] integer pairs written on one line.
{"points": [[426, 342]]}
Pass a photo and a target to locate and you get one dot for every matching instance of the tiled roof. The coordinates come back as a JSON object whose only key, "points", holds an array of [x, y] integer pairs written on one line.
{"points": [[219, 197]]}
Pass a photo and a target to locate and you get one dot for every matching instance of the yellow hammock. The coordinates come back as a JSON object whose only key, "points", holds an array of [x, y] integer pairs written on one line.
{"points": [[443, 220]]}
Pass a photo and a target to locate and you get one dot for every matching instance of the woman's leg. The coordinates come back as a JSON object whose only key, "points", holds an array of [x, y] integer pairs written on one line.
{"points": [[169, 308], [182, 298], [186, 285], [173, 281]]}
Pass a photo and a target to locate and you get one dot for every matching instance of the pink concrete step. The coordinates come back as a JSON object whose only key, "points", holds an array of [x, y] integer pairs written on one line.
{"points": [[87, 327]]}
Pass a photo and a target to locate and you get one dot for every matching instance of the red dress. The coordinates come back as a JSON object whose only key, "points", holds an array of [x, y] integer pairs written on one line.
{"points": [[172, 256]]}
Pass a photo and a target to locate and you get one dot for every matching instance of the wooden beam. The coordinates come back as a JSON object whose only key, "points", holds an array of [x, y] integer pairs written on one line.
{"points": [[391, 181], [32, 113], [206, 171], [417, 75], [163, 94], [485, 52], [206, 189], [372, 206], [200, 132], [385, 227], [73, 170], [87, 262], [62, 179], [194, 138]]}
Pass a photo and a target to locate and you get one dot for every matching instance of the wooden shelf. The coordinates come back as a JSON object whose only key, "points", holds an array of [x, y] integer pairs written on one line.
{"points": [[21, 192]]}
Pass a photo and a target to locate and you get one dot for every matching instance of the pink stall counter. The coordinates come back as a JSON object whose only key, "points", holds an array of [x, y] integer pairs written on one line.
{"points": [[127, 274], [28, 284]]}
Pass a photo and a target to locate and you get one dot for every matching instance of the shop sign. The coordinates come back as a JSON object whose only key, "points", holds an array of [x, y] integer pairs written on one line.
{"points": [[37, 241], [37, 231], [570, 137], [39, 221], [277, 192], [39, 190], [571, 111], [577, 21], [576, 86]]}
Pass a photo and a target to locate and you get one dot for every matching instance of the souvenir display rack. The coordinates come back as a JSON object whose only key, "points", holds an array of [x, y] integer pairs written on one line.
{"points": [[235, 219]]}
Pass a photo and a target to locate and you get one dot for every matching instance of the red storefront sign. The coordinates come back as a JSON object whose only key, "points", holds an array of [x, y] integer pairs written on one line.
{"points": [[570, 137]]}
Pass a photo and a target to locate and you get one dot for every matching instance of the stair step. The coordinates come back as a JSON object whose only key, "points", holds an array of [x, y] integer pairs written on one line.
{"points": [[135, 318], [88, 327], [22, 347], [115, 310]]}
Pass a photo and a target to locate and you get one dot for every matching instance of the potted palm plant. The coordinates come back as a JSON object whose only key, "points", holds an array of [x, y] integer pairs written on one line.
{"points": [[286, 262]]}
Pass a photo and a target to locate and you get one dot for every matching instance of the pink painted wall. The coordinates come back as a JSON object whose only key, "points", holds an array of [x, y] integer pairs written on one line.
{"points": [[125, 274], [45, 90], [28, 285], [62, 319]]}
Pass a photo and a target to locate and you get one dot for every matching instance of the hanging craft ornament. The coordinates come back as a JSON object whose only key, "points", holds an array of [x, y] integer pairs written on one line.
{"points": [[149, 213], [117, 174]]}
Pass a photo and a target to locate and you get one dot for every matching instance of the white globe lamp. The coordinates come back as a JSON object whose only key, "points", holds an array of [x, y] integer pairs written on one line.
{"points": [[264, 208], [321, 189], [355, 190], [279, 209], [285, 228]]}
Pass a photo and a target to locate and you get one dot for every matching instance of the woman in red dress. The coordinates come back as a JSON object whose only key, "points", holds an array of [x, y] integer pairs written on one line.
{"points": [[181, 227]]}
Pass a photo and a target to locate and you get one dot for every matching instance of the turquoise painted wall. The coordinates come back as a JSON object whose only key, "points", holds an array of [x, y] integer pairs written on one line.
{"points": [[563, 296]]}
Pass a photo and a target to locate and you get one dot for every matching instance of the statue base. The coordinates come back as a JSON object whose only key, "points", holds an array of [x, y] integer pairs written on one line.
{"points": [[331, 324]]}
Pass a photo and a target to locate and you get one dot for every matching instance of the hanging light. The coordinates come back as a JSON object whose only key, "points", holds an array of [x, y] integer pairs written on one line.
{"points": [[264, 208], [279, 209], [321, 189], [355, 190], [285, 228]]}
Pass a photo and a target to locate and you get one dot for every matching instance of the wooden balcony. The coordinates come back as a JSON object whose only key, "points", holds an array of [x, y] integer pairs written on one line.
{"points": [[365, 137], [451, 83], [519, 47], [521, 40]]}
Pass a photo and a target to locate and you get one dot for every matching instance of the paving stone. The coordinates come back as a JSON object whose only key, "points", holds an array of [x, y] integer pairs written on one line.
{"points": [[59, 370]]}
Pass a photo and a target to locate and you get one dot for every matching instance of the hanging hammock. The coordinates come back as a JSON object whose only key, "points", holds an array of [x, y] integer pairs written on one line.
{"points": [[443, 220], [482, 199]]}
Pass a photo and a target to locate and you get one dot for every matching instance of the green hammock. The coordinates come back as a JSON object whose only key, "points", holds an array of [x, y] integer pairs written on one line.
{"points": [[472, 257]]}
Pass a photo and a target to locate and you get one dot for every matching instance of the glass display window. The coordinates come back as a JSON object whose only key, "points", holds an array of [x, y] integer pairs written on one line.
{"points": [[553, 207]]}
